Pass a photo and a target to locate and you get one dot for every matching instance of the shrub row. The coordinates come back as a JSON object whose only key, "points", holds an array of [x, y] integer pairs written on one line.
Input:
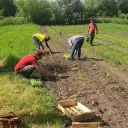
{"points": [[13, 21]]}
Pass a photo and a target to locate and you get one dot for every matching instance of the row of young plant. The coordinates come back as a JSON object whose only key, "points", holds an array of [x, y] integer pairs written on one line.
{"points": [[113, 39], [112, 54], [53, 34], [34, 105], [111, 28]]}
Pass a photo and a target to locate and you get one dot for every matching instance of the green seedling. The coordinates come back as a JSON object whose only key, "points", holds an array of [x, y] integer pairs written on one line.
{"points": [[118, 87], [67, 56], [81, 75], [36, 83]]}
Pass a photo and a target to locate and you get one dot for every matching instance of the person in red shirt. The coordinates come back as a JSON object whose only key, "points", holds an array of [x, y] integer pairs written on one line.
{"points": [[92, 27], [28, 64]]}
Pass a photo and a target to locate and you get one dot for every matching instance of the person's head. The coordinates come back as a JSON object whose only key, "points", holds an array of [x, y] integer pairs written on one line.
{"points": [[92, 21], [39, 54], [48, 38]]}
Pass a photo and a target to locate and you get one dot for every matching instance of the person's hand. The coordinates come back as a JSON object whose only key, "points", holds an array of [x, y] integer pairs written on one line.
{"points": [[51, 52]]}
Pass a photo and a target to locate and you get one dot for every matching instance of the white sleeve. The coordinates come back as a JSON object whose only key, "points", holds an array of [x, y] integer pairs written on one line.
{"points": [[70, 41]]}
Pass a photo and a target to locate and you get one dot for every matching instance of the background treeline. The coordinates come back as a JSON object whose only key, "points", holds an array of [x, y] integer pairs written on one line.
{"points": [[63, 11]]}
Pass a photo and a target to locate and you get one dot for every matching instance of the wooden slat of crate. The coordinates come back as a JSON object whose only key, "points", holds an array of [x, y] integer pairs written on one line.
{"points": [[77, 111], [85, 125], [84, 116], [70, 111], [67, 103]]}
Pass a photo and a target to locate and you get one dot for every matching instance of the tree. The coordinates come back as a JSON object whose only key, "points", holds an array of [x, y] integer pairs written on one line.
{"points": [[68, 11], [7, 8], [38, 11], [101, 7], [123, 5]]}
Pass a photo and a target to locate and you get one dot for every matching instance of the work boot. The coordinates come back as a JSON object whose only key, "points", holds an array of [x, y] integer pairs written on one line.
{"points": [[71, 58], [78, 58]]}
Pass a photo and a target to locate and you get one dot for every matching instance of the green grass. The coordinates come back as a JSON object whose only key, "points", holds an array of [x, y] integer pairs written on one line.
{"points": [[35, 105]]}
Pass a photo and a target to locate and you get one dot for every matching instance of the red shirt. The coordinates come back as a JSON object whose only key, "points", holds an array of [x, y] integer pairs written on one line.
{"points": [[91, 28], [27, 60]]}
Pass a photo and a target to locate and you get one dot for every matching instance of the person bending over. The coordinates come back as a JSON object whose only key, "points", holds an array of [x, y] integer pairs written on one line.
{"points": [[39, 39], [76, 43]]}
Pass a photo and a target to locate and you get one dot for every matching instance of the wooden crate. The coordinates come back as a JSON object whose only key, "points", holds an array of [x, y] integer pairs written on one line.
{"points": [[75, 110], [85, 125]]}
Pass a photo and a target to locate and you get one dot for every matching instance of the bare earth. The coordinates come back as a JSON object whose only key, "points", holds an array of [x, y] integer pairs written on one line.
{"points": [[100, 86]]}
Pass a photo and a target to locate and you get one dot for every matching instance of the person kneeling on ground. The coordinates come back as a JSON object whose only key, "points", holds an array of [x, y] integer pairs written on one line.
{"points": [[28, 64], [76, 43], [39, 39]]}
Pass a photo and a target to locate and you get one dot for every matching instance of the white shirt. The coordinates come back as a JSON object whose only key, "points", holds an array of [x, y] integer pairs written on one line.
{"points": [[72, 39]]}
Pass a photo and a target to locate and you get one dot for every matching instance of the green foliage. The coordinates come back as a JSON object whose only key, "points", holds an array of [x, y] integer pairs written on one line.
{"points": [[122, 16], [126, 16], [8, 8], [101, 8], [36, 83], [111, 20], [13, 21], [15, 43], [67, 56], [35, 10], [119, 13], [70, 11]]}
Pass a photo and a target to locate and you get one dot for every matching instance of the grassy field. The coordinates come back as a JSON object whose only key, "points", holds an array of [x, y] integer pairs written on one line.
{"points": [[111, 43], [34, 105]]}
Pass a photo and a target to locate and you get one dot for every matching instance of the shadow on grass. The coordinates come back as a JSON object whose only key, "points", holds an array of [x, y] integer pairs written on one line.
{"points": [[44, 119], [9, 64], [97, 44]]}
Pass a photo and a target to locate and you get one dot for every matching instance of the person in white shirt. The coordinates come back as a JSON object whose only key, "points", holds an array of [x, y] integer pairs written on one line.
{"points": [[76, 43]]}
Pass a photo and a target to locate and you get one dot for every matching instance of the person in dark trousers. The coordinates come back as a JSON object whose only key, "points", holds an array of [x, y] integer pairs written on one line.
{"points": [[92, 27], [28, 64], [76, 43], [39, 39]]}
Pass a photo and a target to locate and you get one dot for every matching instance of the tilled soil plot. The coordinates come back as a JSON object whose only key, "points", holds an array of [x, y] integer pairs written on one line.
{"points": [[94, 83]]}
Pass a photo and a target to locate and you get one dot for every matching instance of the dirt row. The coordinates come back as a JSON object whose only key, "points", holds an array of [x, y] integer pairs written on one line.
{"points": [[91, 81]]}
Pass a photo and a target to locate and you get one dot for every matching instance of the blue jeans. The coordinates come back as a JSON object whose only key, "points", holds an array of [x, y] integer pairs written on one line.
{"points": [[77, 44], [36, 42]]}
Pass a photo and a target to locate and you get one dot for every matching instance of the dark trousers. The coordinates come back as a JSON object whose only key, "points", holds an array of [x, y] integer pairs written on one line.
{"points": [[37, 43], [77, 46], [91, 38], [26, 71]]}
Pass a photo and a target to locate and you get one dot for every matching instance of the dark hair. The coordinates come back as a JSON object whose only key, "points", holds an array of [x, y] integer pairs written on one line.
{"points": [[48, 38], [39, 54]]}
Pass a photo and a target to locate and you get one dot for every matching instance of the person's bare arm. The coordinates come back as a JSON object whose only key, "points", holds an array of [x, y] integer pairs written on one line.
{"points": [[96, 29], [88, 28], [42, 73], [48, 46], [42, 45]]}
